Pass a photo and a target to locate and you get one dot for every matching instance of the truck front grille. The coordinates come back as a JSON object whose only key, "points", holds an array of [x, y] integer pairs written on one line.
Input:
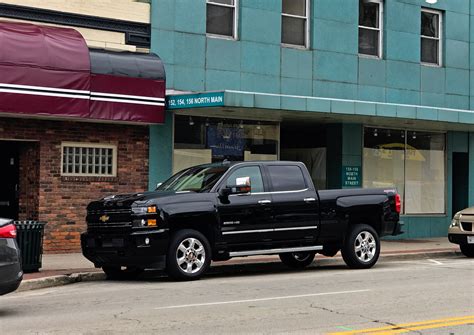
{"points": [[466, 226], [109, 218]]}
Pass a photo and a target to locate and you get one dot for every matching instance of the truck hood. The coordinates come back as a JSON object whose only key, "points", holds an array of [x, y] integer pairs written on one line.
{"points": [[125, 201]]}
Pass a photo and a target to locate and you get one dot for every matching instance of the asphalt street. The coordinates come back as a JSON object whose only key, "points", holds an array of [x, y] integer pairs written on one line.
{"points": [[422, 296]]}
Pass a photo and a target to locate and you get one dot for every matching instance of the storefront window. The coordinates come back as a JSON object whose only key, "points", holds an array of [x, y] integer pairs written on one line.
{"points": [[200, 140], [384, 152], [425, 173], [413, 162]]}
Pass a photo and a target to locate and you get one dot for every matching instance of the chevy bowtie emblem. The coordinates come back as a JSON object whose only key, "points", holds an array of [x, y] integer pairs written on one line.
{"points": [[104, 218]]}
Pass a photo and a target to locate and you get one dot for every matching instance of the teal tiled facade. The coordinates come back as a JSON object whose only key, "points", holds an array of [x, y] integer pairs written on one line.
{"points": [[329, 76], [257, 62]]}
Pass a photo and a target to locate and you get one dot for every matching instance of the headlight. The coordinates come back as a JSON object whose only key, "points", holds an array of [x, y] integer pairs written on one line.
{"points": [[147, 216], [456, 220], [144, 210]]}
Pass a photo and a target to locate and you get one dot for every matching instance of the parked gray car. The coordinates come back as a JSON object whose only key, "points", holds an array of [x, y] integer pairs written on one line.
{"points": [[11, 273], [461, 231]]}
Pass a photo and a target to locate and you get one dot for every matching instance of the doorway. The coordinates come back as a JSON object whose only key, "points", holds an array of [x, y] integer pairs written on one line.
{"points": [[306, 142], [9, 179], [460, 181]]}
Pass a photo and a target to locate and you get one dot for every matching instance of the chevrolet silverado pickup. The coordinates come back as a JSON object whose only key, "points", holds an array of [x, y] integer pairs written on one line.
{"points": [[218, 211]]}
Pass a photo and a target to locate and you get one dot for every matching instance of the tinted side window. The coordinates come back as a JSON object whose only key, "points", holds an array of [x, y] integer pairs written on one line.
{"points": [[253, 172], [286, 178]]}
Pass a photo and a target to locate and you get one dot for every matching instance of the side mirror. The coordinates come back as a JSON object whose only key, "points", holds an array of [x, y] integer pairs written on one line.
{"points": [[242, 186]]}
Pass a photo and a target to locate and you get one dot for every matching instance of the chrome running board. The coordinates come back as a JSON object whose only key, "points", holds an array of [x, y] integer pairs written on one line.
{"points": [[273, 251]]}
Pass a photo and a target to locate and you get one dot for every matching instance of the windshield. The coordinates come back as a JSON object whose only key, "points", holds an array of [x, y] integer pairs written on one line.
{"points": [[196, 179]]}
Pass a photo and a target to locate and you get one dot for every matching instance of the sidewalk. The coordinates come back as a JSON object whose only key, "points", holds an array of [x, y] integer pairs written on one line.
{"points": [[60, 269]]}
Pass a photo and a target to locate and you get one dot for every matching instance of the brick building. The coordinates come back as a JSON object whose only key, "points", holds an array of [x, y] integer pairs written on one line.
{"points": [[78, 92]]}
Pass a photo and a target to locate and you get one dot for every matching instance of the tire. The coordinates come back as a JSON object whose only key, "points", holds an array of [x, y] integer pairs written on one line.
{"points": [[329, 251], [361, 247], [189, 255], [297, 260], [467, 250], [116, 273]]}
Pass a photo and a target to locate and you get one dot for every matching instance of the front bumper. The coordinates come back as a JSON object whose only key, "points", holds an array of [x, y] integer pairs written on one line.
{"points": [[457, 236], [127, 249]]}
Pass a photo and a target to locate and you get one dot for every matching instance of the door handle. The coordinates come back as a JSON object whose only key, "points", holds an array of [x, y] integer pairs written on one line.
{"points": [[264, 202], [309, 199]]}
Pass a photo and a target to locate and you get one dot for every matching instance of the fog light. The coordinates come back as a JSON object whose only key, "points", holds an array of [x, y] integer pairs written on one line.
{"points": [[143, 223], [147, 241]]}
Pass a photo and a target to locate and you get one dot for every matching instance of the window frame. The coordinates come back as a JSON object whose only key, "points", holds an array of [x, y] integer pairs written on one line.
{"points": [[94, 146], [439, 38], [235, 35], [379, 29], [307, 28]]}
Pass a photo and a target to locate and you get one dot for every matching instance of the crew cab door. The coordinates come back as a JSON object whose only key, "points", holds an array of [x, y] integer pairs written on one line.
{"points": [[245, 218], [295, 205]]}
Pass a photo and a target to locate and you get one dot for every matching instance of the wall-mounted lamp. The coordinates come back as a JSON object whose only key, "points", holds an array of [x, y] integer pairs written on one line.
{"points": [[376, 133], [191, 122]]}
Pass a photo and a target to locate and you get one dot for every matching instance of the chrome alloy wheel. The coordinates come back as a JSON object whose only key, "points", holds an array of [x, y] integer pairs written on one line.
{"points": [[365, 246], [190, 255]]}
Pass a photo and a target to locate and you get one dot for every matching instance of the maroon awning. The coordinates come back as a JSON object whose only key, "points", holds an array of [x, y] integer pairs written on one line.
{"points": [[126, 85], [46, 71]]}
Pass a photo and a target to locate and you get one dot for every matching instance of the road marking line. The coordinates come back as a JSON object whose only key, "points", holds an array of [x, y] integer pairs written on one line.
{"points": [[345, 328], [403, 328], [436, 262], [261, 299], [431, 326]]}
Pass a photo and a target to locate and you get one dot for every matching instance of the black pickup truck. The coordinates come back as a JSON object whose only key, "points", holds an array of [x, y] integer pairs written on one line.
{"points": [[224, 210]]}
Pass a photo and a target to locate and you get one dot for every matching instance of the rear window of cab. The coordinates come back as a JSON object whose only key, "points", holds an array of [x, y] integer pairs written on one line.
{"points": [[286, 178]]}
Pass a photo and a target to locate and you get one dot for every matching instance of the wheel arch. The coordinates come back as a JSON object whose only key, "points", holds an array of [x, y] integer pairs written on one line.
{"points": [[363, 217], [203, 223], [365, 209]]}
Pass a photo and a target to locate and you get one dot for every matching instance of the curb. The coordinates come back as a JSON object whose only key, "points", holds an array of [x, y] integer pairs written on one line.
{"points": [[72, 278], [420, 255], [53, 281]]}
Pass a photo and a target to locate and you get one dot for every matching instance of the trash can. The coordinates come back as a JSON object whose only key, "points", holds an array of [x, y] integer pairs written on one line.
{"points": [[30, 241]]}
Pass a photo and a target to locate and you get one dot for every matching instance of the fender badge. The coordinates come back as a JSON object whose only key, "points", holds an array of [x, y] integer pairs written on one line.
{"points": [[104, 218]]}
